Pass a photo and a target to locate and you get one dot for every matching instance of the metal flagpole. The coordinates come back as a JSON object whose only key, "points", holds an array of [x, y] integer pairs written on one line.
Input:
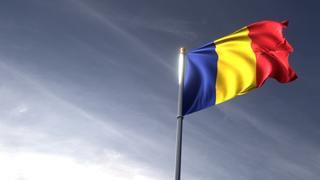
{"points": [[179, 114]]}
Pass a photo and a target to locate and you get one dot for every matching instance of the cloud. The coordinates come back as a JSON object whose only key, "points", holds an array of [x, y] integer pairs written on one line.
{"points": [[175, 27], [130, 38], [39, 166], [43, 136]]}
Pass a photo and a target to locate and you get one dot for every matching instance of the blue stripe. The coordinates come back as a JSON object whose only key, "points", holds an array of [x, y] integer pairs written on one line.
{"points": [[200, 79]]}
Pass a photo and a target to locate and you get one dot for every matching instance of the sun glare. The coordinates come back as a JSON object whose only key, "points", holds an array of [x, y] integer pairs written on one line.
{"points": [[180, 71], [37, 166]]}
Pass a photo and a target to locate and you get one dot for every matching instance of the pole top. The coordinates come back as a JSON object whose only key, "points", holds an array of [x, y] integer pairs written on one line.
{"points": [[182, 50]]}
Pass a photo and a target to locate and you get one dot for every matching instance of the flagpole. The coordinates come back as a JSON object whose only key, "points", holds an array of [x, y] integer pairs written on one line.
{"points": [[179, 114]]}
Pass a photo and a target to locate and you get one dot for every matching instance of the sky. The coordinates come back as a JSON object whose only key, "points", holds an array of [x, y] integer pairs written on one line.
{"points": [[88, 90]]}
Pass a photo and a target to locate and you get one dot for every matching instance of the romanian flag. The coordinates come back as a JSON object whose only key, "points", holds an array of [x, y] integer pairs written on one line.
{"points": [[235, 64]]}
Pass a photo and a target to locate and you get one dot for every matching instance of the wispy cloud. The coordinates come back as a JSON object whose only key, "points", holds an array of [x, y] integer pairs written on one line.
{"points": [[175, 27], [130, 38], [41, 131]]}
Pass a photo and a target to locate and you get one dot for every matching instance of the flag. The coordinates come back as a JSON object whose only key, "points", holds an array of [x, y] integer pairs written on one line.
{"points": [[235, 64]]}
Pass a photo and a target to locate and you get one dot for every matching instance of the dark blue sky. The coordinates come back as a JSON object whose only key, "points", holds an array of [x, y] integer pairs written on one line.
{"points": [[88, 90]]}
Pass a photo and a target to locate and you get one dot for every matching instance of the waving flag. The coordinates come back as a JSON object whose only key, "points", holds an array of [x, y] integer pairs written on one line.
{"points": [[235, 64]]}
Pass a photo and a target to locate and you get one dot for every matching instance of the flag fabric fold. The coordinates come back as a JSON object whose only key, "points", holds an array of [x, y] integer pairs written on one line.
{"points": [[235, 64]]}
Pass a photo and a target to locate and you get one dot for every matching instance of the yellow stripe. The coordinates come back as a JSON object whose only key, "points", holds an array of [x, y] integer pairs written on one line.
{"points": [[236, 65]]}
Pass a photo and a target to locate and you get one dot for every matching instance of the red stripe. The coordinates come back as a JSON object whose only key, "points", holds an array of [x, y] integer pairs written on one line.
{"points": [[272, 51]]}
